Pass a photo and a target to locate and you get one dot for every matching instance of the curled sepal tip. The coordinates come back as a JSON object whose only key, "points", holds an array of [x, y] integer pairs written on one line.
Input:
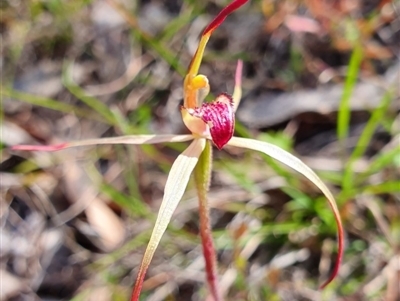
{"points": [[234, 5], [43, 148], [296, 164]]}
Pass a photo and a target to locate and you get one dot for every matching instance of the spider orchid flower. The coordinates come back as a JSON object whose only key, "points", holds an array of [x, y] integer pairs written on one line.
{"points": [[213, 121]]}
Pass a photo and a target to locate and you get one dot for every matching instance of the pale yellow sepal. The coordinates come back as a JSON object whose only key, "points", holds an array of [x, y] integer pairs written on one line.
{"points": [[134, 139], [295, 163], [177, 181]]}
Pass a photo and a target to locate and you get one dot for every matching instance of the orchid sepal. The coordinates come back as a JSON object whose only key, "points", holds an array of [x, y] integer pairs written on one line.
{"points": [[190, 96], [175, 187], [293, 162], [133, 139]]}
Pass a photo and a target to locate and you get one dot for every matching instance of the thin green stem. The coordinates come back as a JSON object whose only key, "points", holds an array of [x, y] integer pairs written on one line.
{"points": [[344, 107], [366, 136], [202, 175]]}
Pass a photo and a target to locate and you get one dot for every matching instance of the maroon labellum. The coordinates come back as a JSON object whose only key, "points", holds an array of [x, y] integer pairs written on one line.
{"points": [[219, 115]]}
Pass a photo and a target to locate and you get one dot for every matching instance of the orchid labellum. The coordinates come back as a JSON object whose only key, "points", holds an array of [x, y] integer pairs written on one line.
{"points": [[212, 121]]}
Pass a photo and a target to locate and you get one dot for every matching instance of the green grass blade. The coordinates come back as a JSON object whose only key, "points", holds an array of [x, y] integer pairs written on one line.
{"points": [[373, 122], [175, 25], [382, 160], [134, 205], [385, 187], [162, 50], [344, 106], [49, 103], [90, 101], [365, 138]]}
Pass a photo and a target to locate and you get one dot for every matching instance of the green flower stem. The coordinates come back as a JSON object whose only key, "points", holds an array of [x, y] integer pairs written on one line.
{"points": [[202, 175]]}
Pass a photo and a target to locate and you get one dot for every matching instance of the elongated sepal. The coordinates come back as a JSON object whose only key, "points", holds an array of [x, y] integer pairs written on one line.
{"points": [[295, 163], [219, 115], [134, 139], [234, 5], [231, 7], [190, 93], [177, 181]]}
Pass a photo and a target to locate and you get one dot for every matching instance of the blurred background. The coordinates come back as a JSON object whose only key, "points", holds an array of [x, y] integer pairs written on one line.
{"points": [[321, 80]]}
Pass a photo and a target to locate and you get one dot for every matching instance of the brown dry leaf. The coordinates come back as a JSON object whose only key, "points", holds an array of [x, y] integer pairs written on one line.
{"points": [[106, 223], [43, 78], [393, 278], [10, 285], [9, 180], [374, 51], [84, 194], [267, 109], [274, 22], [100, 294], [12, 134]]}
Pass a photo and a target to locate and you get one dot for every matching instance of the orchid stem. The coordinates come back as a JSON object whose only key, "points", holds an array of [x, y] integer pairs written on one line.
{"points": [[202, 175]]}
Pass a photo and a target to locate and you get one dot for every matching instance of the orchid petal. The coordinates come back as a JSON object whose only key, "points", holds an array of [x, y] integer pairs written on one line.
{"points": [[293, 162], [134, 139], [174, 188], [237, 91]]}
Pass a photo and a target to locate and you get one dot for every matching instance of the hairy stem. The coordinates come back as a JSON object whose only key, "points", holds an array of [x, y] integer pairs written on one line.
{"points": [[202, 175]]}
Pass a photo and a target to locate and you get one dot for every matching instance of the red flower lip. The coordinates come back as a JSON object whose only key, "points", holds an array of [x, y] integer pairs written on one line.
{"points": [[219, 115]]}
